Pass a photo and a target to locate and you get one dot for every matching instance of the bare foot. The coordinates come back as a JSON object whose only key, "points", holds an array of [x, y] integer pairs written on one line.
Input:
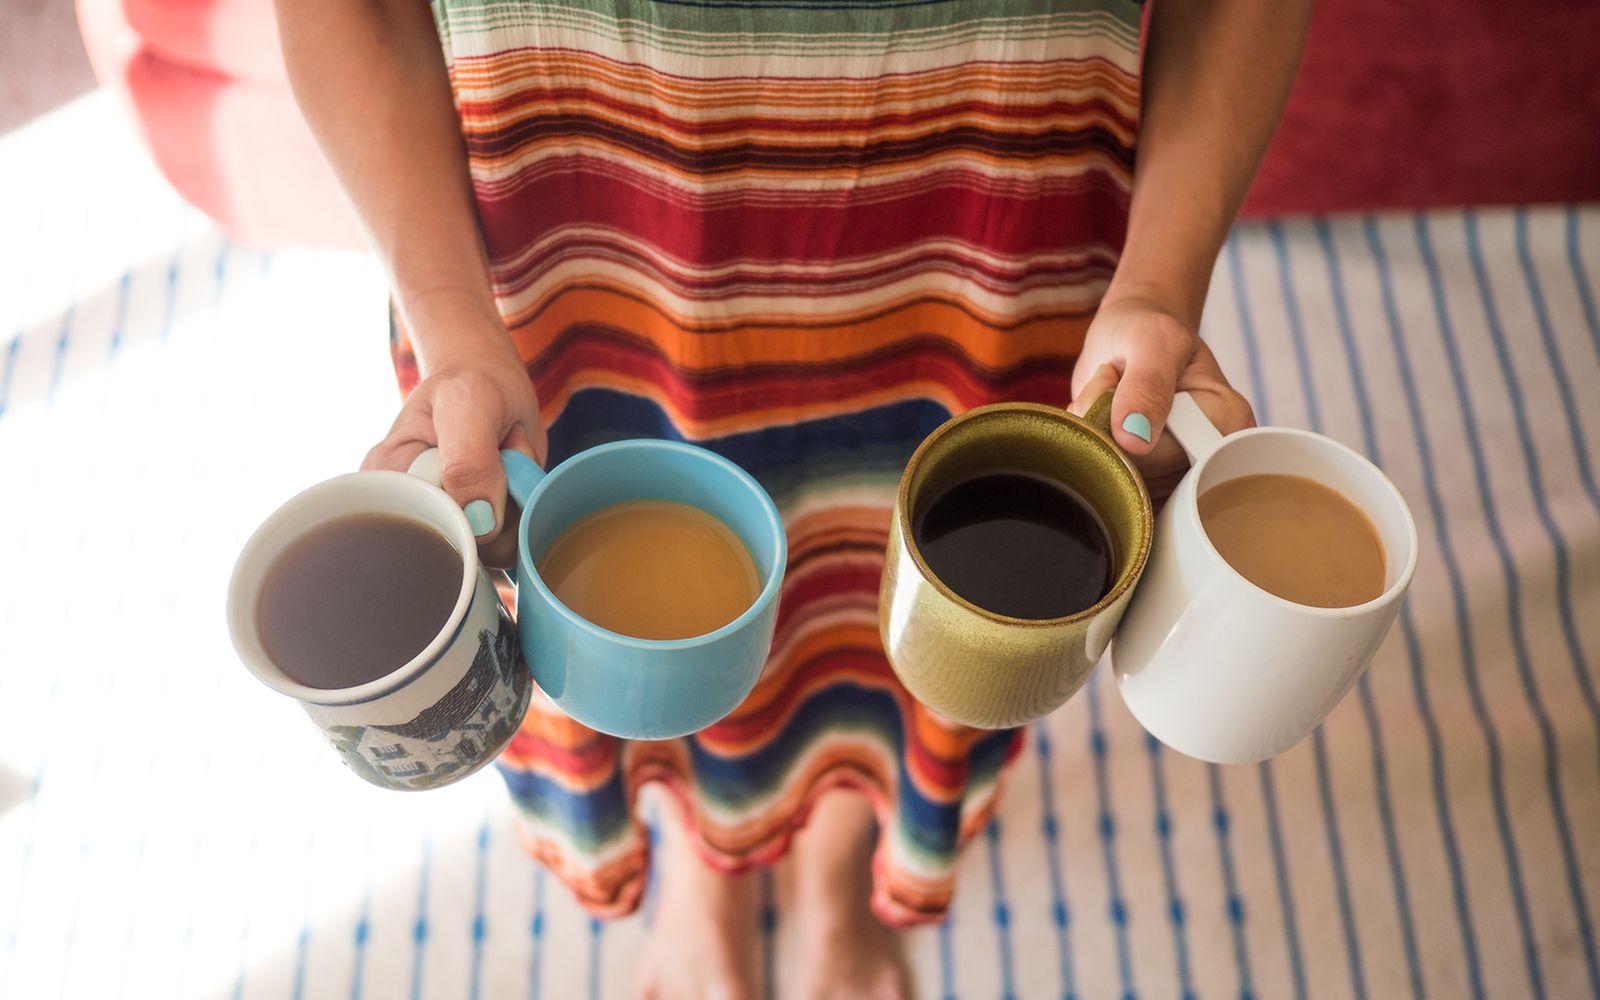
{"points": [[843, 950], [704, 933]]}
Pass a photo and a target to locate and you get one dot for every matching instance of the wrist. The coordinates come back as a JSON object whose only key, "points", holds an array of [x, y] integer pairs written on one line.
{"points": [[1167, 264], [451, 327], [1154, 296]]}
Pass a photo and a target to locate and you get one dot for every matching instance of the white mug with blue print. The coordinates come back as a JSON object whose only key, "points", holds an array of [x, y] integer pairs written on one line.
{"points": [[449, 710]]}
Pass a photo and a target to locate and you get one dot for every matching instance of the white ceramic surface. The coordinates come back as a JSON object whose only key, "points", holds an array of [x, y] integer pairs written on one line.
{"points": [[452, 707], [1214, 666]]}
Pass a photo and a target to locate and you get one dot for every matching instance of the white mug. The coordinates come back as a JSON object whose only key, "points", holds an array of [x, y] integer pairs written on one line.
{"points": [[451, 708], [1212, 665]]}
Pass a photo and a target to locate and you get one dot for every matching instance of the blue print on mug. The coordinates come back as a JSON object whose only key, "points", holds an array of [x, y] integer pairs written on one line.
{"points": [[456, 735]]}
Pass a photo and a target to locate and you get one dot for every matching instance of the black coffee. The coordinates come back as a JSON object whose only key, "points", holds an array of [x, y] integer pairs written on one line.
{"points": [[1017, 544], [356, 598]]}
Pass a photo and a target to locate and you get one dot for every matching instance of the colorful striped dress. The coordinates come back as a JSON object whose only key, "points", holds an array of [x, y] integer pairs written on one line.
{"points": [[801, 234]]}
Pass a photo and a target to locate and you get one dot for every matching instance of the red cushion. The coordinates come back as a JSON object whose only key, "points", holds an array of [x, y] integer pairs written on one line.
{"points": [[235, 147], [1439, 102], [1433, 102]]}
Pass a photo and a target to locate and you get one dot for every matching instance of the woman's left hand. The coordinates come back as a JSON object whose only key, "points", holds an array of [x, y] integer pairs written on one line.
{"points": [[1143, 350]]}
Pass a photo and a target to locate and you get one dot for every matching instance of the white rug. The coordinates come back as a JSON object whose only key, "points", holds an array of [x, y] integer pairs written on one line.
{"points": [[173, 829]]}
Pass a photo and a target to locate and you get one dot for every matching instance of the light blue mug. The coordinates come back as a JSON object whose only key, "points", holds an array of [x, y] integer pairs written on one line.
{"points": [[642, 689]]}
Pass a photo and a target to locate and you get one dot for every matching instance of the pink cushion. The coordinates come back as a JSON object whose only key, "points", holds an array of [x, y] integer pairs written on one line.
{"points": [[233, 145], [238, 38]]}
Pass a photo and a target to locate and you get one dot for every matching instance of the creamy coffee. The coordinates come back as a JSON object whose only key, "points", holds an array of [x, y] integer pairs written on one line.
{"points": [[652, 569], [1294, 537]]}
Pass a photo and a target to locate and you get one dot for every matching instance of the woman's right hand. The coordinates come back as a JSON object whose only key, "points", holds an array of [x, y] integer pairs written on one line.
{"points": [[476, 399]]}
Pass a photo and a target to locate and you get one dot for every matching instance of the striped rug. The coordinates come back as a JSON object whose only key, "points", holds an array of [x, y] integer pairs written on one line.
{"points": [[171, 829]]}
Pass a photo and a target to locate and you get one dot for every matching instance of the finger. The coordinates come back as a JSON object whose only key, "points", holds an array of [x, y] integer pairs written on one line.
{"points": [[469, 453], [409, 436], [501, 553], [1202, 368], [398, 450], [1227, 410], [518, 440], [397, 456], [1144, 397], [1104, 378], [531, 429]]}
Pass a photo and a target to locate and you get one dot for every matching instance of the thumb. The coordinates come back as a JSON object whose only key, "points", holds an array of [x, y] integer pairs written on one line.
{"points": [[1105, 377], [469, 454], [1143, 400]]}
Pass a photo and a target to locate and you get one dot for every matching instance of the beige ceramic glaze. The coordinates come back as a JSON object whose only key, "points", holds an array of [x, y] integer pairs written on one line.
{"points": [[990, 670]]}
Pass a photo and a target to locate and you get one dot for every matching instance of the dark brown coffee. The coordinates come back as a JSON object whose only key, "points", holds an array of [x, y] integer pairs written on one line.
{"points": [[1017, 544], [357, 598]]}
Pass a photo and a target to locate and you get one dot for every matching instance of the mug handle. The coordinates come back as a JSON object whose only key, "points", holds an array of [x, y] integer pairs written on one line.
{"points": [[522, 475], [426, 467], [522, 472], [1188, 425], [1098, 416]]}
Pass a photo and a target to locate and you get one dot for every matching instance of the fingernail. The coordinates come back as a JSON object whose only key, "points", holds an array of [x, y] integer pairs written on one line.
{"points": [[1138, 425], [480, 515]]}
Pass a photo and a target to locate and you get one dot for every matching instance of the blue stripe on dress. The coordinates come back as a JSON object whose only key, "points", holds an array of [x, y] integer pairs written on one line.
{"points": [[592, 818], [1408, 627], [602, 814], [783, 459]]}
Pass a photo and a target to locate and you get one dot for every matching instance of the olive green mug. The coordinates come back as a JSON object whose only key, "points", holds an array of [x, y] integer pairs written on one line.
{"points": [[972, 665]]}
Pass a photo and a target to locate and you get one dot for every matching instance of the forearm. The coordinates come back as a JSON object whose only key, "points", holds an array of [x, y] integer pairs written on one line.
{"points": [[1216, 76], [371, 82]]}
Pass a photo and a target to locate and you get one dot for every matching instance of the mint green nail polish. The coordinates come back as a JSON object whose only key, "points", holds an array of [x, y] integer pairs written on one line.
{"points": [[1138, 425], [480, 515]]}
